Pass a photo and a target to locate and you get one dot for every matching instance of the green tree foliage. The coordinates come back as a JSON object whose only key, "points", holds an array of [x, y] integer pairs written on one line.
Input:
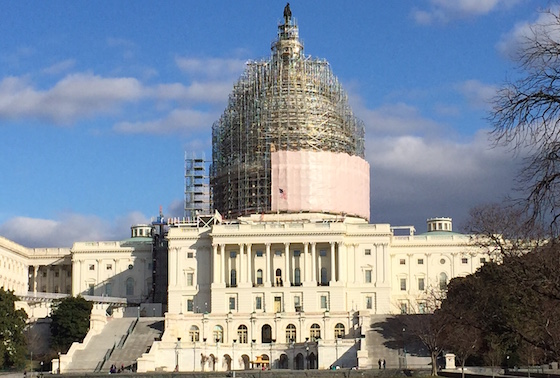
{"points": [[516, 302], [70, 322], [12, 325]]}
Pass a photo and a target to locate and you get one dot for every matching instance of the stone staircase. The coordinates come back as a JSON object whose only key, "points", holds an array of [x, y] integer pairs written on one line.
{"points": [[89, 359], [381, 344], [138, 342]]}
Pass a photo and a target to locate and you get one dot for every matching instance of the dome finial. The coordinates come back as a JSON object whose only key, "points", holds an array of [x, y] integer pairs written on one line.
{"points": [[287, 13]]}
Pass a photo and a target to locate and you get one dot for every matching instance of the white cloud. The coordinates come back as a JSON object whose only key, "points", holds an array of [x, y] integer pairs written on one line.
{"points": [[178, 121], [69, 228], [211, 67], [200, 92], [511, 42], [59, 67], [75, 96], [442, 11], [414, 178], [477, 93]]}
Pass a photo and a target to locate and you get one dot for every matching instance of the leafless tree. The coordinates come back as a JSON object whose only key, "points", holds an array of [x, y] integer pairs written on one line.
{"points": [[526, 115]]}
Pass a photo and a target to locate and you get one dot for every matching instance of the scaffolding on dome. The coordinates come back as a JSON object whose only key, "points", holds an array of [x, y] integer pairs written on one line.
{"points": [[197, 187], [289, 102]]}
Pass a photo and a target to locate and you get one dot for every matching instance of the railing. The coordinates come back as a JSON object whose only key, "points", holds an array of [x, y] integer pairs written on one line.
{"points": [[128, 332], [108, 354]]}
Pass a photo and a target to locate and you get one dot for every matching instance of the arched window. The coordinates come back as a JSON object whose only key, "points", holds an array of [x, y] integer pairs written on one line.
{"points": [[339, 331], [233, 278], [290, 333], [278, 277], [242, 334], [297, 277], [315, 332], [443, 281], [259, 277], [266, 334], [130, 286], [218, 334], [324, 279], [194, 333]]}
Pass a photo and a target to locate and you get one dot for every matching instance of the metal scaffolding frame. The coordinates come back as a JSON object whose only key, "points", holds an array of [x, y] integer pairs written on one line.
{"points": [[197, 186], [288, 102]]}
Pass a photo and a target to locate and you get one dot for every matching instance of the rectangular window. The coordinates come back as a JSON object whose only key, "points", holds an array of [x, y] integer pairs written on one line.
{"points": [[402, 261], [258, 303], [482, 260], [278, 253], [91, 267], [465, 260], [369, 302], [259, 254], [367, 252], [231, 303], [368, 276], [404, 308], [45, 273], [421, 283], [190, 255], [190, 305], [297, 253], [422, 307], [190, 279], [297, 303], [324, 302], [420, 261], [323, 252], [91, 289], [403, 284], [233, 254], [56, 274], [109, 266]]}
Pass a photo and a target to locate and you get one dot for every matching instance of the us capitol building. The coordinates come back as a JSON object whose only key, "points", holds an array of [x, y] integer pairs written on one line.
{"points": [[282, 269]]}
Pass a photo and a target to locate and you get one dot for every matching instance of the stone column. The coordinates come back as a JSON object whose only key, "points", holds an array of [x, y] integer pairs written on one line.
{"points": [[287, 263], [342, 260], [215, 274], [35, 280], [223, 264], [314, 262], [333, 270], [268, 266], [305, 262], [249, 264], [241, 278]]}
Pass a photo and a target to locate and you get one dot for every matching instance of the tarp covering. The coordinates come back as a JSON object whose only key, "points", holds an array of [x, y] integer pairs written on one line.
{"points": [[320, 181]]}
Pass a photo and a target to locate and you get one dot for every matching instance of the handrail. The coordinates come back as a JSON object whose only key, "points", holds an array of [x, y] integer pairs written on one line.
{"points": [[105, 358], [128, 332]]}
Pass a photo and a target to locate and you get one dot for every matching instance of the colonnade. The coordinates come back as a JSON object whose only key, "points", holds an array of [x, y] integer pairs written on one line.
{"points": [[318, 263]]}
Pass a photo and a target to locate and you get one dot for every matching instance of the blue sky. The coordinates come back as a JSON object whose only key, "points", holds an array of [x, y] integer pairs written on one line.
{"points": [[99, 101]]}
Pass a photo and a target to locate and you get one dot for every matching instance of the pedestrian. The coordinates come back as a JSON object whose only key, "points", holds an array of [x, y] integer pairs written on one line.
{"points": [[379, 363], [384, 363]]}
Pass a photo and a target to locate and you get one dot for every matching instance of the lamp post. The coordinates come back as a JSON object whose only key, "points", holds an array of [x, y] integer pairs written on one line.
{"points": [[233, 354], [307, 353], [252, 346], [292, 345], [177, 347], [41, 368], [59, 370], [194, 356], [271, 357], [336, 347], [404, 347], [217, 351]]}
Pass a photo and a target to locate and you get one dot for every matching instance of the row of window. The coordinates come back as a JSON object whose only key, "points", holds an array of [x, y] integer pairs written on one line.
{"points": [[464, 260], [442, 282], [266, 333]]}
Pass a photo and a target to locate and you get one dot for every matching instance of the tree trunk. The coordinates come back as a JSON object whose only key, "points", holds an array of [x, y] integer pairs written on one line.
{"points": [[434, 364]]}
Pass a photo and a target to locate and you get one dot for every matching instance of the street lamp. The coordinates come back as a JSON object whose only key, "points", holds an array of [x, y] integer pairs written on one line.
{"points": [[233, 354], [307, 353], [217, 351], [292, 345], [177, 347], [271, 346]]}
